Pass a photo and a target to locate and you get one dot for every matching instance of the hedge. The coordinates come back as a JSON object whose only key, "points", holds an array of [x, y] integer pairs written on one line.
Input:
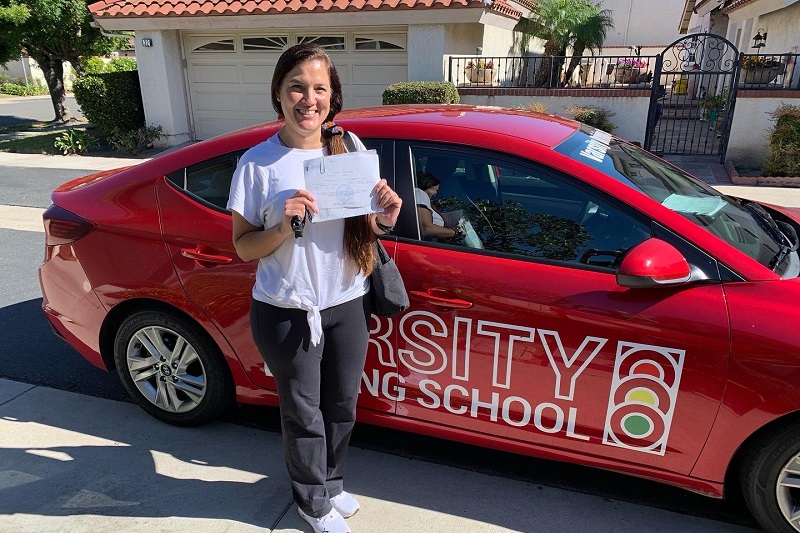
{"points": [[421, 92], [784, 142], [111, 101]]}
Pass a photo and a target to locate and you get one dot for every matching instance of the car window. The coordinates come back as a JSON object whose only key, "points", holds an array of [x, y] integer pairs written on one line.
{"points": [[742, 224], [522, 209], [209, 181]]}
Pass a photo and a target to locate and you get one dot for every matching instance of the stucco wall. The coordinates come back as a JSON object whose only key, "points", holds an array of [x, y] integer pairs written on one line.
{"points": [[462, 38], [34, 73], [749, 145], [644, 22], [166, 106], [630, 119], [783, 30], [426, 49], [499, 42]]}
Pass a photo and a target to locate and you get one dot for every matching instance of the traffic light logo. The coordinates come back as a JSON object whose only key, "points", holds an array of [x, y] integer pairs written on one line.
{"points": [[644, 390]]}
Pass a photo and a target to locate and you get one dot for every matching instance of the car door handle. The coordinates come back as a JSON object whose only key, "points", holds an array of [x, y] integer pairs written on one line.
{"points": [[205, 257], [440, 301]]}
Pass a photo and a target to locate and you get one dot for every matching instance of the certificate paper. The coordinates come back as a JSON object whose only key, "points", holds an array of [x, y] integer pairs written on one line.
{"points": [[343, 185]]}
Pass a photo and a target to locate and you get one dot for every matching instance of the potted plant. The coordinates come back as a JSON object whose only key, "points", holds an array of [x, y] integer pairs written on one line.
{"points": [[712, 105], [760, 69], [629, 70], [480, 71]]}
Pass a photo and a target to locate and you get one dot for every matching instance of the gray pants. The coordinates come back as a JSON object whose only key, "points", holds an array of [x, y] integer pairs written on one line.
{"points": [[318, 388]]}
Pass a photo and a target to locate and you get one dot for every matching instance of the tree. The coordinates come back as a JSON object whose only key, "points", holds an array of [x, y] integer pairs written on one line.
{"points": [[51, 32], [591, 34], [563, 24]]}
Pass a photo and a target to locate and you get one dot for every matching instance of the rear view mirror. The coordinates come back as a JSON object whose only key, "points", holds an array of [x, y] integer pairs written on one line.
{"points": [[653, 263]]}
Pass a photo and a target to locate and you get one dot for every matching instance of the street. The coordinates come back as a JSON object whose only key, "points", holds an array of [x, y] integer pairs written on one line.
{"points": [[33, 108]]}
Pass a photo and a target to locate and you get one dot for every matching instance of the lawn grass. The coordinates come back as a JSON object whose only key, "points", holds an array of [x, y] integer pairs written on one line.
{"points": [[31, 144], [23, 126]]}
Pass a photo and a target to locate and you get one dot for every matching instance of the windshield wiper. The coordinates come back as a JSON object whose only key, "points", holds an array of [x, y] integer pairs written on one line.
{"points": [[786, 249], [778, 230]]}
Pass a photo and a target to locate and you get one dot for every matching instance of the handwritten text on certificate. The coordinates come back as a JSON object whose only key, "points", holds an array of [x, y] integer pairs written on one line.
{"points": [[343, 185]]}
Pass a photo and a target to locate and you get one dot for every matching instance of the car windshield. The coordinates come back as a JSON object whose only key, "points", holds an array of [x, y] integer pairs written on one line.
{"points": [[744, 225]]}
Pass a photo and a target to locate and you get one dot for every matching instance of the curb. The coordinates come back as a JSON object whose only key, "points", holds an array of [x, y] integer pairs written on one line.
{"points": [[767, 181]]}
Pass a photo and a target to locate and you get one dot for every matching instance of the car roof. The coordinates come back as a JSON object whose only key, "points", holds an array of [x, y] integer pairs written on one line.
{"points": [[547, 130], [544, 129]]}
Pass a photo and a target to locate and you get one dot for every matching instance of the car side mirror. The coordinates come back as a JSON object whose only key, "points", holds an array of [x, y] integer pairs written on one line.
{"points": [[653, 263]]}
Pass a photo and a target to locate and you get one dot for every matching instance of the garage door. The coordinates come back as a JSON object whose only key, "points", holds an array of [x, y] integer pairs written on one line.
{"points": [[229, 74]]}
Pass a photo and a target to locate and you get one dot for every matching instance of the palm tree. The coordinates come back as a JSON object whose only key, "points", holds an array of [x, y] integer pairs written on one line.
{"points": [[561, 24], [590, 35]]}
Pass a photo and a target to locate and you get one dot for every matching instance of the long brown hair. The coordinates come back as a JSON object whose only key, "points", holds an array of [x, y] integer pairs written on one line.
{"points": [[358, 234]]}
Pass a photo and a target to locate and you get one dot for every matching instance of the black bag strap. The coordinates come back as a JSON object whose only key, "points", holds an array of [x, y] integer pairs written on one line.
{"points": [[349, 143]]}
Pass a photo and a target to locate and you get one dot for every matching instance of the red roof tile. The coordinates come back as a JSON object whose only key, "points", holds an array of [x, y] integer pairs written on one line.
{"points": [[186, 8]]}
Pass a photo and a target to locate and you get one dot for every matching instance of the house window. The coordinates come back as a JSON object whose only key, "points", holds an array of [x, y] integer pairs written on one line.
{"points": [[328, 42], [369, 43], [265, 44], [212, 44]]}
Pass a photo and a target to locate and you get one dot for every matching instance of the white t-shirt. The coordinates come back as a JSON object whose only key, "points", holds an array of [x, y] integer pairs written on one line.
{"points": [[313, 272], [422, 198]]}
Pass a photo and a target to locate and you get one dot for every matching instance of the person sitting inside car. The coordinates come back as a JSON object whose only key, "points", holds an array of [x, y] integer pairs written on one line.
{"points": [[431, 222]]}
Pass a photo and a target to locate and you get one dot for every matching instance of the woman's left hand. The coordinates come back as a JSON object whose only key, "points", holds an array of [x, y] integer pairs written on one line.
{"points": [[390, 202]]}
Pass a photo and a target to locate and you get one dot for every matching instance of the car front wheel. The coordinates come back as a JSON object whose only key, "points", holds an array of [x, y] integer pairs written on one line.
{"points": [[172, 371], [771, 480]]}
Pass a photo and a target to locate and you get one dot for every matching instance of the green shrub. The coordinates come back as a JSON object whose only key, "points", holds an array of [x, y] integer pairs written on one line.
{"points": [[784, 142], [92, 65], [597, 117], [121, 64], [134, 141], [18, 89], [74, 141], [112, 101], [96, 65], [421, 92]]}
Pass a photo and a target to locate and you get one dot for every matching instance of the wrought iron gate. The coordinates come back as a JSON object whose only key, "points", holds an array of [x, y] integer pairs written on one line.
{"points": [[694, 95]]}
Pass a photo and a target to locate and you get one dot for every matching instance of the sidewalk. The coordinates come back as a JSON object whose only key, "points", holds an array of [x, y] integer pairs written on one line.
{"points": [[73, 463]]}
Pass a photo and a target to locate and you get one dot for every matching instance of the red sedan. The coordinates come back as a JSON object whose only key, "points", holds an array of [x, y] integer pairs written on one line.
{"points": [[603, 307]]}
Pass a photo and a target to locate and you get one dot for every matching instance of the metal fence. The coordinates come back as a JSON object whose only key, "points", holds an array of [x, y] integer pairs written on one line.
{"points": [[769, 71], [756, 71]]}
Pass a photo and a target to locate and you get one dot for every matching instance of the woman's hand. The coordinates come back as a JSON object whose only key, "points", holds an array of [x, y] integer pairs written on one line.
{"points": [[390, 202], [296, 206]]}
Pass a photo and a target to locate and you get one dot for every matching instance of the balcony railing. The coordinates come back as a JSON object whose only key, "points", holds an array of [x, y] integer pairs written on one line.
{"points": [[770, 72], [552, 72], [777, 71]]}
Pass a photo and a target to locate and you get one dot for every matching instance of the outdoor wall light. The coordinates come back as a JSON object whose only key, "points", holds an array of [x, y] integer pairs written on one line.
{"points": [[760, 39]]}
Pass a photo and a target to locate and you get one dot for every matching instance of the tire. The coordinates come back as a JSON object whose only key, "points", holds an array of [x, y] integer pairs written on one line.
{"points": [[766, 476], [170, 369]]}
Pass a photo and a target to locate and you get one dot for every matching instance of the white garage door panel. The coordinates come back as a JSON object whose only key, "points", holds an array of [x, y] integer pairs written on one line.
{"points": [[229, 89], [378, 74], [367, 101], [217, 101], [214, 73], [211, 127], [261, 74], [258, 103]]}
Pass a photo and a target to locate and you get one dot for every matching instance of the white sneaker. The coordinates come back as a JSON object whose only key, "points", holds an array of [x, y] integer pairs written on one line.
{"points": [[345, 503], [330, 523]]}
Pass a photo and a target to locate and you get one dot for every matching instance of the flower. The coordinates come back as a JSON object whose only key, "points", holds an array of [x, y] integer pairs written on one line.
{"points": [[480, 63], [630, 63], [759, 61]]}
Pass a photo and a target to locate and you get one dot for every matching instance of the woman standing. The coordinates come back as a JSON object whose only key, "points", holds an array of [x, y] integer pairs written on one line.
{"points": [[309, 314]]}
